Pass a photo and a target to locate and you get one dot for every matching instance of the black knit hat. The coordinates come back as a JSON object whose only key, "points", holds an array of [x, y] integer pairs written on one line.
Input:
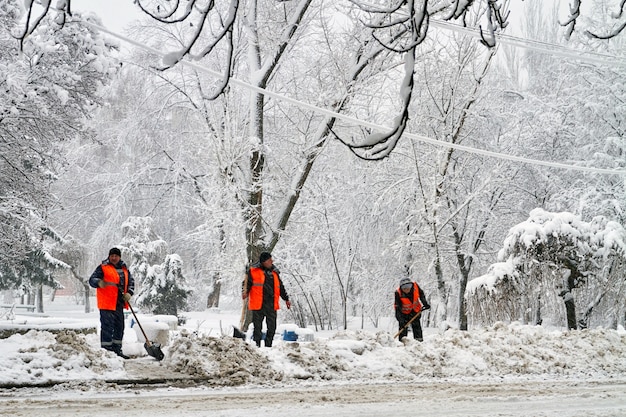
{"points": [[115, 251], [264, 256]]}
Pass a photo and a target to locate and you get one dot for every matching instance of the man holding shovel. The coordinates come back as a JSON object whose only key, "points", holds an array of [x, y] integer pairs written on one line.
{"points": [[264, 289], [409, 303], [114, 286]]}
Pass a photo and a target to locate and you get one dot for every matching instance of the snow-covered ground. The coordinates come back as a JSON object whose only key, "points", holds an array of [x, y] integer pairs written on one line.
{"points": [[507, 369]]}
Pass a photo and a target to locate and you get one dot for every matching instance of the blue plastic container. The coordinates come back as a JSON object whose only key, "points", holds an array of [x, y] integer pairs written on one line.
{"points": [[290, 336]]}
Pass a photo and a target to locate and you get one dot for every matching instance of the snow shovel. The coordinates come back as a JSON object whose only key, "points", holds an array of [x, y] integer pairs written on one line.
{"points": [[238, 333], [153, 349], [407, 325]]}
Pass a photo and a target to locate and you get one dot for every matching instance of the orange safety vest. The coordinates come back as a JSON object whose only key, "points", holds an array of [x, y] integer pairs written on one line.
{"points": [[411, 305], [107, 296], [256, 292]]}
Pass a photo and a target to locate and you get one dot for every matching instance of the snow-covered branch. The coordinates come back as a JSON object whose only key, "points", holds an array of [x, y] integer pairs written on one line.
{"points": [[550, 255]]}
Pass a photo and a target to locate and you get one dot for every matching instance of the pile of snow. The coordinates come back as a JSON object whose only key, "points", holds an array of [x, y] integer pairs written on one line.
{"points": [[224, 361], [40, 357], [501, 351]]}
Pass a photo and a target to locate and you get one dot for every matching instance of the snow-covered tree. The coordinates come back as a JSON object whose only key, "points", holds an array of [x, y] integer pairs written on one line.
{"points": [[265, 191], [554, 255], [35, 270], [141, 247], [560, 110], [160, 284], [50, 82], [74, 255], [226, 193], [164, 289], [38, 269], [404, 25]]}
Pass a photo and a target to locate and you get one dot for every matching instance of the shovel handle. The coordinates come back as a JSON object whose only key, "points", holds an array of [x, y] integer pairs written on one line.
{"points": [[139, 324], [405, 326], [244, 302]]}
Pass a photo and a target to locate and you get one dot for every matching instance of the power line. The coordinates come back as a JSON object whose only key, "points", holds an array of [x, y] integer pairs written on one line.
{"points": [[539, 46], [359, 122]]}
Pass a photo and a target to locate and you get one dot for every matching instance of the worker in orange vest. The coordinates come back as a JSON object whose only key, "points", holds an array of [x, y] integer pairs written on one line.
{"points": [[410, 301], [264, 288], [114, 286]]}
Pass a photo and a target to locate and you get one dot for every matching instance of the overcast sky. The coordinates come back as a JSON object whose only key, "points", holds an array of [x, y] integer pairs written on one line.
{"points": [[115, 14]]}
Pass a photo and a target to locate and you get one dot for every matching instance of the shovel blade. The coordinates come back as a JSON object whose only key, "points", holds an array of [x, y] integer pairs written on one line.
{"points": [[238, 333], [154, 350]]}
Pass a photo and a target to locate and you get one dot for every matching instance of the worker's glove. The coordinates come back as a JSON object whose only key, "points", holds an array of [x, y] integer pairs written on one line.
{"points": [[126, 296], [288, 304], [244, 295], [101, 283], [426, 307]]}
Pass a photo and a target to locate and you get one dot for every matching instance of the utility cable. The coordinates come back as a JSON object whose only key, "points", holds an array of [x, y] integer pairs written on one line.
{"points": [[330, 113], [539, 46]]}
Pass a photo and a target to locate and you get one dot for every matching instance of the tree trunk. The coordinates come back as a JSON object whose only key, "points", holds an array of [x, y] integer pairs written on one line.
{"points": [[462, 307], [39, 299], [464, 268], [570, 308], [253, 211], [213, 299], [441, 283], [568, 298], [538, 318], [86, 291]]}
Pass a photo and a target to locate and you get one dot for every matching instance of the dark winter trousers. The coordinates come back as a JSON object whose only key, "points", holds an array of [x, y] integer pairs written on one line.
{"points": [[269, 314], [416, 326], [112, 329]]}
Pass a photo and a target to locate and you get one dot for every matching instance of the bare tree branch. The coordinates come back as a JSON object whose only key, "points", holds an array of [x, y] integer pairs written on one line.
{"points": [[575, 14], [570, 24], [379, 145], [610, 35]]}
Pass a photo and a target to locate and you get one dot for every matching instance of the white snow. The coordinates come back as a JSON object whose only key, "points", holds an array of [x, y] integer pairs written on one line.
{"points": [[504, 355], [492, 277]]}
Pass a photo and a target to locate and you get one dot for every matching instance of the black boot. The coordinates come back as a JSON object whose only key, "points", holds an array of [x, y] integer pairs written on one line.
{"points": [[109, 348], [118, 352]]}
